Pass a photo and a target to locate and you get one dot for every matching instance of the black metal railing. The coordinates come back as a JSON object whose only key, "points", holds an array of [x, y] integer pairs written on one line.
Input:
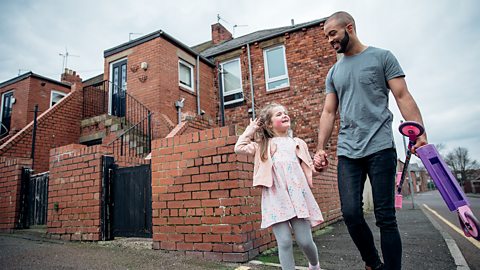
{"points": [[95, 100], [136, 141], [134, 111], [134, 117]]}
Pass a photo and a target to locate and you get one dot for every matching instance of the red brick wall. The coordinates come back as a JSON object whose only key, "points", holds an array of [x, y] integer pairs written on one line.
{"points": [[192, 124], [40, 94], [59, 125], [75, 186], [308, 57], [199, 123], [10, 180], [160, 89], [204, 202]]}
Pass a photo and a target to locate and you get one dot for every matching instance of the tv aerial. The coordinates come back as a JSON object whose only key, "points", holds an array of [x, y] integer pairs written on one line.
{"points": [[65, 58]]}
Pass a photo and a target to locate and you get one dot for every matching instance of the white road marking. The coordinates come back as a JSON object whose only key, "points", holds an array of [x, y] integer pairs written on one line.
{"points": [[457, 255], [455, 228]]}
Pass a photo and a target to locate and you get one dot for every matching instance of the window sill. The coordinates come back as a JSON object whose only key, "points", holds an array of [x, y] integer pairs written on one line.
{"points": [[286, 88], [234, 104]]}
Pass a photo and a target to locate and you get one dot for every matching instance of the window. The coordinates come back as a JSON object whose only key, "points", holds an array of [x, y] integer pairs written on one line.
{"points": [[6, 112], [276, 75], [55, 97], [185, 75], [231, 81]]}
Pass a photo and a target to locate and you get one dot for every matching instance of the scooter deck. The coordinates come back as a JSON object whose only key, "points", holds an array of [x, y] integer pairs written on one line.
{"points": [[442, 177]]}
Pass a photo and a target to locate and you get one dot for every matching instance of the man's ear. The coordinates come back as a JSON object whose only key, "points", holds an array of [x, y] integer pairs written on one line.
{"points": [[350, 28]]}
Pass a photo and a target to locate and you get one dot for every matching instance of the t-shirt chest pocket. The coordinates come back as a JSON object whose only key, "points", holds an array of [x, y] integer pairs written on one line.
{"points": [[368, 75]]}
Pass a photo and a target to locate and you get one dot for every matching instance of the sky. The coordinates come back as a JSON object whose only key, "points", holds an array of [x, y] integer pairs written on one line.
{"points": [[437, 43]]}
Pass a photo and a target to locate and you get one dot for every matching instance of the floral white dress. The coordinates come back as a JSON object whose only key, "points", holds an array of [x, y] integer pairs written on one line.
{"points": [[289, 196]]}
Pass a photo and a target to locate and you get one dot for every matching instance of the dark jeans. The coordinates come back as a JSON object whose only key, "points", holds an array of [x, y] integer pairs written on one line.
{"points": [[380, 168]]}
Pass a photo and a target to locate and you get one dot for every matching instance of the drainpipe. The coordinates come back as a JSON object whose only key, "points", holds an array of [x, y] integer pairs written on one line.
{"points": [[220, 93], [198, 85], [179, 106], [251, 80]]}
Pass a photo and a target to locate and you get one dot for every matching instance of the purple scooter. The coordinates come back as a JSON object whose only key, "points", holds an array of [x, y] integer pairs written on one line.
{"points": [[446, 183]]}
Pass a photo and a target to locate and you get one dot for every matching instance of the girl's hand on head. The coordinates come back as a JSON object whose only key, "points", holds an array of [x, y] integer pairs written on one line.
{"points": [[255, 124]]}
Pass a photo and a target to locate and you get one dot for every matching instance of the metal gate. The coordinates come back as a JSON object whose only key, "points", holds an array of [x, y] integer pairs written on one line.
{"points": [[34, 199], [128, 201]]}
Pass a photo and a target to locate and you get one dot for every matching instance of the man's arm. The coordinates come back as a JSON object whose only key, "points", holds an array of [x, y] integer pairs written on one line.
{"points": [[325, 129], [407, 105]]}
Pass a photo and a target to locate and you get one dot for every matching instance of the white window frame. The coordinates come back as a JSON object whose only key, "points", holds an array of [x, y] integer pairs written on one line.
{"points": [[58, 93], [192, 78], [278, 78], [236, 91]]}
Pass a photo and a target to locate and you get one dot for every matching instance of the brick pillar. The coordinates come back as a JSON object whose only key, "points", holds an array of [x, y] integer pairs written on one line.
{"points": [[74, 192], [203, 200], [10, 181]]}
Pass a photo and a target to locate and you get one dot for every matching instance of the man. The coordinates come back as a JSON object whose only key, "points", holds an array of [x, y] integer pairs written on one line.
{"points": [[358, 86]]}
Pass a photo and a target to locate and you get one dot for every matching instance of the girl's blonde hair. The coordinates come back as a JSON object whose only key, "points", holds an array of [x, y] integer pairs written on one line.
{"points": [[265, 132]]}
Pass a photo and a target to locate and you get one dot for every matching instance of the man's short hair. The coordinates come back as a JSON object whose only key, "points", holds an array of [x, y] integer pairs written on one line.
{"points": [[343, 18]]}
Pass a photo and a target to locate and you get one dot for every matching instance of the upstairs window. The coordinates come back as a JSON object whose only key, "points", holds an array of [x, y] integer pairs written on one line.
{"points": [[276, 74], [55, 97], [185, 75], [231, 81]]}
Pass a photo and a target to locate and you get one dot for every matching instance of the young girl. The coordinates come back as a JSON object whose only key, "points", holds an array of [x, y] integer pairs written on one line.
{"points": [[283, 167]]}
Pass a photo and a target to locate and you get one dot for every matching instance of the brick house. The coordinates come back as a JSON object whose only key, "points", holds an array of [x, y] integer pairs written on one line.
{"points": [[158, 71], [198, 197], [19, 96]]}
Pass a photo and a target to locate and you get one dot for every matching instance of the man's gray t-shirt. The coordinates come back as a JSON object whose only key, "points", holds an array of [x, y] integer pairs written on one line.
{"points": [[360, 83]]}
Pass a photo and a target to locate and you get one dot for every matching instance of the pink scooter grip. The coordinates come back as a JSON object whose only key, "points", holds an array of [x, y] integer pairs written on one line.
{"points": [[398, 197], [398, 201]]}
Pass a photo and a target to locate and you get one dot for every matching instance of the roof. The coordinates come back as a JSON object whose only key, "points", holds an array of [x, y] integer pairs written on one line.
{"points": [[94, 80], [149, 37], [254, 37], [31, 74]]}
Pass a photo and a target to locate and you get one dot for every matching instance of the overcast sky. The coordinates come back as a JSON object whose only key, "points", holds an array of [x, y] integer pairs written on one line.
{"points": [[437, 43]]}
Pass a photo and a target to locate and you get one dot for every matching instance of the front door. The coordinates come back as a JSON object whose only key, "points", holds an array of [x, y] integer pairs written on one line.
{"points": [[6, 113], [119, 88]]}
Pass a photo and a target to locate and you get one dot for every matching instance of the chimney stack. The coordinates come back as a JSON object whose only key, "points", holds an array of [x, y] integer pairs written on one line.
{"points": [[70, 77], [220, 34]]}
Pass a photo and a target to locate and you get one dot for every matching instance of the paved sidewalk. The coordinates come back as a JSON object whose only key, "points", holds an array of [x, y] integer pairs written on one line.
{"points": [[424, 247]]}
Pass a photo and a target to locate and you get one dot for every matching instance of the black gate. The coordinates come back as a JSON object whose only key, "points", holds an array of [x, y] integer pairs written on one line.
{"points": [[128, 201], [34, 199]]}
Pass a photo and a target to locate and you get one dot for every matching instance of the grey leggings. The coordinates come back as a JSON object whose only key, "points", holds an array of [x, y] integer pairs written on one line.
{"points": [[303, 237]]}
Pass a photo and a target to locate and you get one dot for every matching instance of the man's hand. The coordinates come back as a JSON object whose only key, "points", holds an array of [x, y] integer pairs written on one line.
{"points": [[421, 141], [320, 160]]}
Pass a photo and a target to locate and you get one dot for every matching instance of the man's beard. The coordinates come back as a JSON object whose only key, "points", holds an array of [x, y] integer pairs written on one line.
{"points": [[344, 43]]}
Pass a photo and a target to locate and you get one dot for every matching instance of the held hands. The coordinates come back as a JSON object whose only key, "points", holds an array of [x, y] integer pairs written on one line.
{"points": [[320, 160]]}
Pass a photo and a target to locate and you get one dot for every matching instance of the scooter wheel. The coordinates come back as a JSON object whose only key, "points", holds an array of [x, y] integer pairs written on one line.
{"points": [[411, 128], [472, 228]]}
